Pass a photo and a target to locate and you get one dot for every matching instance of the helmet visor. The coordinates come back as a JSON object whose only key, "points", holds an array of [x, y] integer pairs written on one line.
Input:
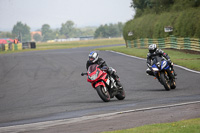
{"points": [[91, 58], [152, 50]]}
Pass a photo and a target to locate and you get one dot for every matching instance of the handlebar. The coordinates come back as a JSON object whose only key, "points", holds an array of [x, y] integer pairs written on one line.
{"points": [[82, 74]]}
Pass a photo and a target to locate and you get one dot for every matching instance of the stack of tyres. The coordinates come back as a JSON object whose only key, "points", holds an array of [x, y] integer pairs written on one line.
{"points": [[25, 45], [33, 44], [10, 46]]}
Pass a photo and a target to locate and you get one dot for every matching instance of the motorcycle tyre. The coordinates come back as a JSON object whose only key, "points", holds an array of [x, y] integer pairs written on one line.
{"points": [[121, 95], [102, 95], [173, 85], [164, 81]]}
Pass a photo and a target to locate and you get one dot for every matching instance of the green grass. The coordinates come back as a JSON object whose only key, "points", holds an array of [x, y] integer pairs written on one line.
{"points": [[185, 126], [191, 61], [75, 44]]}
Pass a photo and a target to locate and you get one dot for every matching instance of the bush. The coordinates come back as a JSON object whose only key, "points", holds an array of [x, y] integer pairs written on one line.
{"points": [[185, 23]]}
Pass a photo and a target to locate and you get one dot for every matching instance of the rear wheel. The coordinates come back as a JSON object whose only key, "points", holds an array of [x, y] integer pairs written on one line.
{"points": [[121, 94], [103, 93], [165, 81]]}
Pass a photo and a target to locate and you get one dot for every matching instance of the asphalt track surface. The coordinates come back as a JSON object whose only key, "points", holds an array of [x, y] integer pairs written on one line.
{"points": [[46, 85]]}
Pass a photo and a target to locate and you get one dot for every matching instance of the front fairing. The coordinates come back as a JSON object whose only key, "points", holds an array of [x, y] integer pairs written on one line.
{"points": [[159, 64], [95, 74], [164, 65]]}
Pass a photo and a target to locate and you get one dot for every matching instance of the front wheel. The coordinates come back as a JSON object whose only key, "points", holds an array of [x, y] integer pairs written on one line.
{"points": [[165, 81], [103, 93], [173, 84]]}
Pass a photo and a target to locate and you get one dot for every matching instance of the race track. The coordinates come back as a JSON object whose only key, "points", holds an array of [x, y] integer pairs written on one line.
{"points": [[46, 85]]}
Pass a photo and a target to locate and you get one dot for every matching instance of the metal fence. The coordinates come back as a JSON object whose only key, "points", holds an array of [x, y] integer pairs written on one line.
{"points": [[170, 42]]}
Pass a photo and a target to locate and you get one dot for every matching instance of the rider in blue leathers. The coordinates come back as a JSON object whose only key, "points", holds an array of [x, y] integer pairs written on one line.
{"points": [[154, 51]]}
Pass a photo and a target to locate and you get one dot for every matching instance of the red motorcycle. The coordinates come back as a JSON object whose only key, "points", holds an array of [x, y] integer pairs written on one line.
{"points": [[104, 84]]}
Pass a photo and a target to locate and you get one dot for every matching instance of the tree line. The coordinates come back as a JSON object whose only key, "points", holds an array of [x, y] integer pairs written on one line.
{"points": [[67, 30], [144, 7], [154, 16]]}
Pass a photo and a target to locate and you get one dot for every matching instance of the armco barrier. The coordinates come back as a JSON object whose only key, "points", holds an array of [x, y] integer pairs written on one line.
{"points": [[169, 42]]}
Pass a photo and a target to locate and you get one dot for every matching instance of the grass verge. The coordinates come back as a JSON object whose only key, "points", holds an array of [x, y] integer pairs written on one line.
{"points": [[185, 126], [191, 61]]}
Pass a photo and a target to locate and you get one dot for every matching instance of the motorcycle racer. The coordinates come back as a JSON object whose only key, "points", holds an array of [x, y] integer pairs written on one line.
{"points": [[95, 59], [154, 51]]}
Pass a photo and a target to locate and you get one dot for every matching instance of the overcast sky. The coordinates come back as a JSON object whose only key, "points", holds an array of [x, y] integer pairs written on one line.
{"points": [[83, 13]]}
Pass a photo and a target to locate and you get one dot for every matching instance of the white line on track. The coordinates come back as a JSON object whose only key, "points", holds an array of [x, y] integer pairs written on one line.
{"points": [[187, 69], [44, 125]]}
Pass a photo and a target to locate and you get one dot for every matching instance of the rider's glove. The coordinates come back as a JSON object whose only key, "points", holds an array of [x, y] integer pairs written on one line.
{"points": [[104, 68], [149, 65], [82, 74]]}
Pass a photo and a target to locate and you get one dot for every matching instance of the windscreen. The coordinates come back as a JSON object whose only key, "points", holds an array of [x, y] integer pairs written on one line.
{"points": [[157, 59], [92, 68]]}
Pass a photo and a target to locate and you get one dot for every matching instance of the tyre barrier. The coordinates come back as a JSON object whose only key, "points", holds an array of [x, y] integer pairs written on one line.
{"points": [[27, 45], [19, 46], [170, 42]]}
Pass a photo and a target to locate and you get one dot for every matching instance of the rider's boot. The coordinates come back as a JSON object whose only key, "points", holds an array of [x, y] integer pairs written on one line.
{"points": [[175, 74], [149, 72], [118, 83], [116, 77]]}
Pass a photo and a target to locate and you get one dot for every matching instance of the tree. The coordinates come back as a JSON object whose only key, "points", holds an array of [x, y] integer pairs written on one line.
{"points": [[37, 37], [22, 29], [140, 4], [111, 30], [120, 27], [47, 33], [68, 29], [6, 35], [45, 29], [99, 32]]}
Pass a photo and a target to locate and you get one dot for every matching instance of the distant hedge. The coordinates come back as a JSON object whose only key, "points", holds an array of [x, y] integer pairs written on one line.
{"points": [[185, 23]]}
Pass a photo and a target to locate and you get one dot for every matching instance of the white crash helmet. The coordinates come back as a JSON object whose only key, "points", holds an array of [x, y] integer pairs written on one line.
{"points": [[93, 56], [152, 48]]}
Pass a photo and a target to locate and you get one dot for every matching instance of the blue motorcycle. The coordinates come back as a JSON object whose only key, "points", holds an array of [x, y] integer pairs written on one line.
{"points": [[163, 72]]}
